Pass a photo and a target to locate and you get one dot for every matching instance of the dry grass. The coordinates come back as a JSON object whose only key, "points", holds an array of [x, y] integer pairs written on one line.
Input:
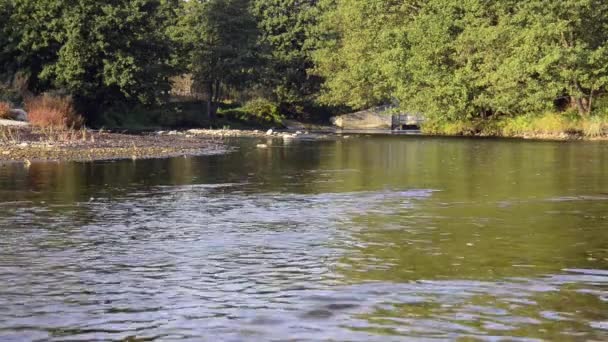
{"points": [[51, 134], [5, 110], [558, 125], [595, 127], [53, 111], [9, 134]]}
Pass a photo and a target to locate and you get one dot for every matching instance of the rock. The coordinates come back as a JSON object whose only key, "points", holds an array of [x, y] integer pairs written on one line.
{"points": [[18, 114], [23, 145], [13, 123], [172, 133], [269, 132], [293, 125], [366, 119], [261, 146]]}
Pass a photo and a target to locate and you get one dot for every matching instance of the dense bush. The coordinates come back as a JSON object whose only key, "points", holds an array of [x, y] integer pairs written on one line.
{"points": [[53, 111], [5, 110], [263, 111]]}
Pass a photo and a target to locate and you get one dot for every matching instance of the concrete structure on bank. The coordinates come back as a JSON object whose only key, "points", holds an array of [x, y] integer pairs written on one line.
{"points": [[377, 118]]}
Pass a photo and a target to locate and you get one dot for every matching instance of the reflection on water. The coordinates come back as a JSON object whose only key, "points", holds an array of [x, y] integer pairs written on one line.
{"points": [[373, 238]]}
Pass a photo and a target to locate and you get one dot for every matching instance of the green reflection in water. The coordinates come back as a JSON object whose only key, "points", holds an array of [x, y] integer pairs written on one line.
{"points": [[501, 212]]}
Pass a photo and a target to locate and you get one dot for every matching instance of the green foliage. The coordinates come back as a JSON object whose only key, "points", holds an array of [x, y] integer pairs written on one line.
{"points": [[547, 125], [453, 61], [285, 27], [359, 48], [218, 42], [459, 60], [167, 115], [113, 50], [256, 112]]}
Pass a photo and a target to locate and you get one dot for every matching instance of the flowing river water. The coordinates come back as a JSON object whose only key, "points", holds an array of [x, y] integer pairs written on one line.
{"points": [[383, 238]]}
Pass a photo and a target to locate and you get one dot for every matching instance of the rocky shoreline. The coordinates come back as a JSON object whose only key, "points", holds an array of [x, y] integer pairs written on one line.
{"points": [[28, 144]]}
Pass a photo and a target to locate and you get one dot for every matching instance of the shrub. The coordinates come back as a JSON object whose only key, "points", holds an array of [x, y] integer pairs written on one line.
{"points": [[594, 126], [53, 111], [517, 126], [5, 110], [263, 111], [551, 123], [441, 127]]}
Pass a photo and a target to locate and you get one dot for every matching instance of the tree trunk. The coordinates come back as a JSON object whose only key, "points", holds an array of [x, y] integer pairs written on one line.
{"points": [[590, 103], [583, 106], [580, 105], [210, 103]]}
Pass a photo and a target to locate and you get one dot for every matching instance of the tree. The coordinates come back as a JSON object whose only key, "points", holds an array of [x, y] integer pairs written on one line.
{"points": [[7, 46], [360, 49], [572, 46], [218, 38], [94, 50], [455, 60], [285, 28]]}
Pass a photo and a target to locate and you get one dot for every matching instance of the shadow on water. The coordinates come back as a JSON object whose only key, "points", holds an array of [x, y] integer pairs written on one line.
{"points": [[368, 238]]}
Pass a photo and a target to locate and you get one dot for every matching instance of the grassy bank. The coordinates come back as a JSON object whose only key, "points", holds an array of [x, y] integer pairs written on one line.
{"points": [[546, 126]]}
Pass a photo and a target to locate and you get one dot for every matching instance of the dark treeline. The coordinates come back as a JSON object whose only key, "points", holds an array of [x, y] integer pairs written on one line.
{"points": [[449, 59]]}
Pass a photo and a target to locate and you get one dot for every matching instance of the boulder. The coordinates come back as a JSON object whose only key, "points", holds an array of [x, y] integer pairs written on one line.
{"points": [[18, 114], [293, 125], [365, 119]]}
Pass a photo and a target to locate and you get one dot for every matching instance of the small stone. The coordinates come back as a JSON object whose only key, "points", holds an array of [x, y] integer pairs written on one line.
{"points": [[269, 132], [261, 146], [6, 153], [23, 145]]}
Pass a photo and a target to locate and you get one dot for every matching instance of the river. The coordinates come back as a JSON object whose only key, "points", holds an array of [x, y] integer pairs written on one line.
{"points": [[371, 238]]}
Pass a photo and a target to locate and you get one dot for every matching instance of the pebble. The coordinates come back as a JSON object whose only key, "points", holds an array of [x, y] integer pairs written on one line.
{"points": [[269, 132], [262, 146]]}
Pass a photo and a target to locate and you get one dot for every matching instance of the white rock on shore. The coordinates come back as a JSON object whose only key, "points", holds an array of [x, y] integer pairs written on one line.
{"points": [[4, 122]]}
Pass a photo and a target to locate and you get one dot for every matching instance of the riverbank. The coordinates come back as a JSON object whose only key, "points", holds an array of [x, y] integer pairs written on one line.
{"points": [[549, 126], [30, 144], [27, 143]]}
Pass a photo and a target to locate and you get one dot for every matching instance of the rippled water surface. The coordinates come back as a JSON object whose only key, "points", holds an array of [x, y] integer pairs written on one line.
{"points": [[361, 239]]}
